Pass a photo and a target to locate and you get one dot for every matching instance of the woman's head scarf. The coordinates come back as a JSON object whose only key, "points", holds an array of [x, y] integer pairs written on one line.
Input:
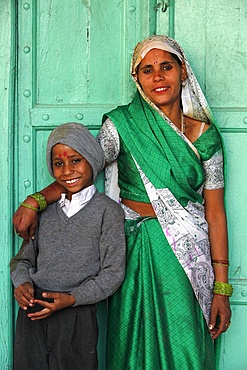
{"points": [[77, 137], [193, 100]]}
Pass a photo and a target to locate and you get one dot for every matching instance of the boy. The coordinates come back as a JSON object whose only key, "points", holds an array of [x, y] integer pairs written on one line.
{"points": [[76, 260]]}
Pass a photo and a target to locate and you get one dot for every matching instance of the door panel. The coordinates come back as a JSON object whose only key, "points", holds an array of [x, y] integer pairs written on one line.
{"points": [[76, 55], [73, 65]]}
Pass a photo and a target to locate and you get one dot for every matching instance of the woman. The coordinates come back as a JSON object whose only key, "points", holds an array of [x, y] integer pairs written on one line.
{"points": [[170, 174]]}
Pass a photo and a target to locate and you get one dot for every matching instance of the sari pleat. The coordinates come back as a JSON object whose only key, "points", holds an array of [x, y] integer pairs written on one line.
{"points": [[156, 294]]}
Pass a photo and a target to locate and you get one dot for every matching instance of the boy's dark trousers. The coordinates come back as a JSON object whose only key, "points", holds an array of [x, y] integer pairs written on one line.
{"points": [[66, 340]]}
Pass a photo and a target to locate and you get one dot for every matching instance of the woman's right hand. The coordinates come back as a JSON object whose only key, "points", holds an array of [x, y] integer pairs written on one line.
{"points": [[25, 220]]}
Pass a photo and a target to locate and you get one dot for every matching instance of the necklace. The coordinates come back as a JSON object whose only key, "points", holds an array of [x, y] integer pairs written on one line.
{"points": [[182, 122]]}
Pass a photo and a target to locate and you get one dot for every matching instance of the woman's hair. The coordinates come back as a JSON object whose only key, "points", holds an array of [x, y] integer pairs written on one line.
{"points": [[154, 42], [177, 58]]}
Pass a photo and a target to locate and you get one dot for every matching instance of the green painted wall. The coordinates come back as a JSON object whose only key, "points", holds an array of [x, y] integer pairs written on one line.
{"points": [[69, 61], [7, 71]]}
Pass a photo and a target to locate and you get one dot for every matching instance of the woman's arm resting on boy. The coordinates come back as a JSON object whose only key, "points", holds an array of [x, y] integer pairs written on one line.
{"points": [[25, 219]]}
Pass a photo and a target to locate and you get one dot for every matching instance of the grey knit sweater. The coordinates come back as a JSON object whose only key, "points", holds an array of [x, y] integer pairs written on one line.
{"points": [[83, 255]]}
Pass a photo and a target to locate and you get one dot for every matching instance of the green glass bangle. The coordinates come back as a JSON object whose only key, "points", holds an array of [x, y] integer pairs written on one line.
{"points": [[41, 200], [223, 289], [29, 207]]}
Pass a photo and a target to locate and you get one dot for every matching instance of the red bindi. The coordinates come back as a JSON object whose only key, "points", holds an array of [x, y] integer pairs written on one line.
{"points": [[64, 154]]}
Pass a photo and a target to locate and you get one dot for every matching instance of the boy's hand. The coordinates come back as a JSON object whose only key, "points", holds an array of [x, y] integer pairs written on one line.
{"points": [[61, 300], [24, 295]]}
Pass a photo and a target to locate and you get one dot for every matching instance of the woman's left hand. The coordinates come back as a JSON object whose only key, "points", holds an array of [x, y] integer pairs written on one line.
{"points": [[220, 309]]}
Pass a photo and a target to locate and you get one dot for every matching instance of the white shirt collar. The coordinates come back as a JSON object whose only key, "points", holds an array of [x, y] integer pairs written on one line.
{"points": [[78, 201]]}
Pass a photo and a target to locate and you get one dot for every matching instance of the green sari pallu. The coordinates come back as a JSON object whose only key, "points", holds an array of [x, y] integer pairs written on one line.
{"points": [[158, 318]]}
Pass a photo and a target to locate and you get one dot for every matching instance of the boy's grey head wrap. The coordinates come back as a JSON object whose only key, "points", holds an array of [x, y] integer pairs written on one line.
{"points": [[77, 137]]}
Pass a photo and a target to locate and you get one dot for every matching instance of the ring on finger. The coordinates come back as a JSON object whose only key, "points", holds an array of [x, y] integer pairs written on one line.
{"points": [[228, 324]]}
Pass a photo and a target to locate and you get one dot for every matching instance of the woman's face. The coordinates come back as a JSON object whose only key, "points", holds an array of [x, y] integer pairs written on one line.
{"points": [[160, 76]]}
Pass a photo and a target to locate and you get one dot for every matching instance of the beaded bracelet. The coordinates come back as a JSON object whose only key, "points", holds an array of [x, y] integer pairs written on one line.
{"points": [[223, 289], [41, 201], [29, 207]]}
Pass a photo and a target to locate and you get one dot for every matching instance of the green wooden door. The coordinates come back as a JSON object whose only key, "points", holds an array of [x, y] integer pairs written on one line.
{"points": [[73, 65], [213, 35]]}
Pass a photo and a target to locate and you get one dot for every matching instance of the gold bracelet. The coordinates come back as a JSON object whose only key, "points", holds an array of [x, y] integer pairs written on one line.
{"points": [[221, 264], [225, 262]]}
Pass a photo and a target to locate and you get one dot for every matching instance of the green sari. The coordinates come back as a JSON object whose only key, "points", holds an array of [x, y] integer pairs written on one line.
{"points": [[157, 319]]}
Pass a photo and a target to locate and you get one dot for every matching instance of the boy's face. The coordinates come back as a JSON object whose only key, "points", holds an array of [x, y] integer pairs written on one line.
{"points": [[70, 169]]}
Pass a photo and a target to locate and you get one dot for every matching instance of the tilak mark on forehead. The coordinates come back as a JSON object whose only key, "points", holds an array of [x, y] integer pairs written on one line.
{"points": [[65, 154]]}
